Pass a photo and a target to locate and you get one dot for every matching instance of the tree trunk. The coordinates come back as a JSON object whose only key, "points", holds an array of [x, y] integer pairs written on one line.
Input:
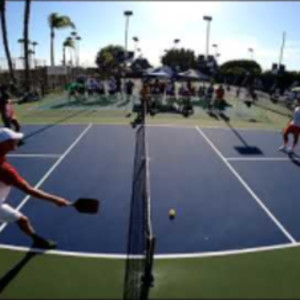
{"points": [[26, 42], [52, 47], [5, 41]]}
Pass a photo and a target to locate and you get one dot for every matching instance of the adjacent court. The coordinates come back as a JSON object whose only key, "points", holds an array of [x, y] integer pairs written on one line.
{"points": [[231, 189]]}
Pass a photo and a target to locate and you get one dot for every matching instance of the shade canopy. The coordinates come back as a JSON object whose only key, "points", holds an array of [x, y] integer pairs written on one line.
{"points": [[193, 74]]}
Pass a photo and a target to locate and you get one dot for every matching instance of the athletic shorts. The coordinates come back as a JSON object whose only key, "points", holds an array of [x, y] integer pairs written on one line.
{"points": [[9, 214], [292, 129]]}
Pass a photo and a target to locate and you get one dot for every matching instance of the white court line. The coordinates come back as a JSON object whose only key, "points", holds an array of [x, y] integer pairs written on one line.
{"points": [[170, 125], [156, 256], [258, 159], [2, 227], [34, 155], [246, 186]]}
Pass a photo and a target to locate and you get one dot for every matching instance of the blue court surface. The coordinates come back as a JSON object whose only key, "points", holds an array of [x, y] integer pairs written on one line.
{"points": [[231, 189]]}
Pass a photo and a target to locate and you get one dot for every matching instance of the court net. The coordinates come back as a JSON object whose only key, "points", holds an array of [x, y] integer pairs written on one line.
{"points": [[141, 242]]}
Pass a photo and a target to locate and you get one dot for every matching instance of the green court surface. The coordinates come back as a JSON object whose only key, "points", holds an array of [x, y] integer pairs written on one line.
{"points": [[267, 274], [56, 109]]}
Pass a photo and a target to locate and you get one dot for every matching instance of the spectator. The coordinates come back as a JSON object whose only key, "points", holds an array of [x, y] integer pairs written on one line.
{"points": [[7, 111], [129, 89], [112, 86], [219, 101], [209, 96]]}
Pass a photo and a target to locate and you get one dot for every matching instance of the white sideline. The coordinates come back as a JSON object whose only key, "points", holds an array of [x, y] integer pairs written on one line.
{"points": [[23, 202], [246, 186]]}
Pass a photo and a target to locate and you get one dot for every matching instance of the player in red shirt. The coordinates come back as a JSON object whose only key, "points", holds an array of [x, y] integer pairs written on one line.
{"points": [[9, 177]]}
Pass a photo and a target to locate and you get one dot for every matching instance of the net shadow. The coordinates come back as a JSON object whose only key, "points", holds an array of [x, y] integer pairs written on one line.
{"points": [[7, 279]]}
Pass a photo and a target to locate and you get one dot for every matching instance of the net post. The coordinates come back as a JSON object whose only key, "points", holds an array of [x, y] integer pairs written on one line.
{"points": [[148, 277]]}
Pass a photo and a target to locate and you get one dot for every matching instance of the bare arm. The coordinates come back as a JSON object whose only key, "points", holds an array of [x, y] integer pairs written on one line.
{"points": [[34, 192]]}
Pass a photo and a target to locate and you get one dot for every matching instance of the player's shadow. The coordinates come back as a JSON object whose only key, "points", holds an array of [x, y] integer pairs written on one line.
{"points": [[213, 114], [246, 149], [16, 269], [295, 159]]}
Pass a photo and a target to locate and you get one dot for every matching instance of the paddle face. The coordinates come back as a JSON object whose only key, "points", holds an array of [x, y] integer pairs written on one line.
{"points": [[87, 205]]}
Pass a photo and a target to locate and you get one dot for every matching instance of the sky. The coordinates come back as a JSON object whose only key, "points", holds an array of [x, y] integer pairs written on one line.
{"points": [[235, 27]]}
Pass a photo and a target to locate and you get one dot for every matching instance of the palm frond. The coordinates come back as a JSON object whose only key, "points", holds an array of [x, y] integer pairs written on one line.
{"points": [[52, 19]]}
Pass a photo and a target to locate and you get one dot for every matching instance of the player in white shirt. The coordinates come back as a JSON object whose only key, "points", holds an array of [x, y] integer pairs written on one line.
{"points": [[294, 128]]}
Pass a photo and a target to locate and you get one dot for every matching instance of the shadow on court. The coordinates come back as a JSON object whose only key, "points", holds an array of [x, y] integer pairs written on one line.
{"points": [[295, 159], [16, 269], [246, 149], [273, 110], [70, 116]]}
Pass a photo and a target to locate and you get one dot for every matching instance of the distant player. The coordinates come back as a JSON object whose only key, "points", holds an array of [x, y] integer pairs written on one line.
{"points": [[9, 177], [294, 128]]}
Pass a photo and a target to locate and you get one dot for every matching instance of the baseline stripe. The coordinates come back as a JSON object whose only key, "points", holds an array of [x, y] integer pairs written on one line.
{"points": [[157, 256], [34, 155], [246, 186]]}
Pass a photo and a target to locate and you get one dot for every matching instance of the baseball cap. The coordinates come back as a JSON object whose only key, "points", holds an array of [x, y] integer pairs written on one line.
{"points": [[7, 134]]}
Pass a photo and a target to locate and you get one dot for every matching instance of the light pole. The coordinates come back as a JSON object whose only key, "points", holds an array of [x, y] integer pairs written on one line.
{"points": [[73, 36], [281, 50], [70, 38], [31, 58], [34, 44], [78, 39], [127, 14], [136, 40], [208, 19], [176, 41], [216, 51], [251, 53], [21, 42]]}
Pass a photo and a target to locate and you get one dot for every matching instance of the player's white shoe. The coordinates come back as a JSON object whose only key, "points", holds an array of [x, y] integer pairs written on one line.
{"points": [[290, 150], [282, 148]]}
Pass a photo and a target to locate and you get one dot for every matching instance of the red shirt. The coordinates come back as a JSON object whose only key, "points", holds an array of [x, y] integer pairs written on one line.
{"points": [[9, 175], [220, 93]]}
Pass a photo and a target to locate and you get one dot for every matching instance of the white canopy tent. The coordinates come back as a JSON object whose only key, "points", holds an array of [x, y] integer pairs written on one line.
{"points": [[193, 74], [160, 74]]}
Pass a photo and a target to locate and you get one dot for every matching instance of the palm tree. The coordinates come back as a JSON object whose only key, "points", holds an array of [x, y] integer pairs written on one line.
{"points": [[68, 43], [34, 44], [5, 40], [57, 21], [78, 39], [73, 34], [26, 45]]}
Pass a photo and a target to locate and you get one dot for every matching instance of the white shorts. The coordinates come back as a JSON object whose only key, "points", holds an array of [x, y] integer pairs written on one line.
{"points": [[9, 214]]}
